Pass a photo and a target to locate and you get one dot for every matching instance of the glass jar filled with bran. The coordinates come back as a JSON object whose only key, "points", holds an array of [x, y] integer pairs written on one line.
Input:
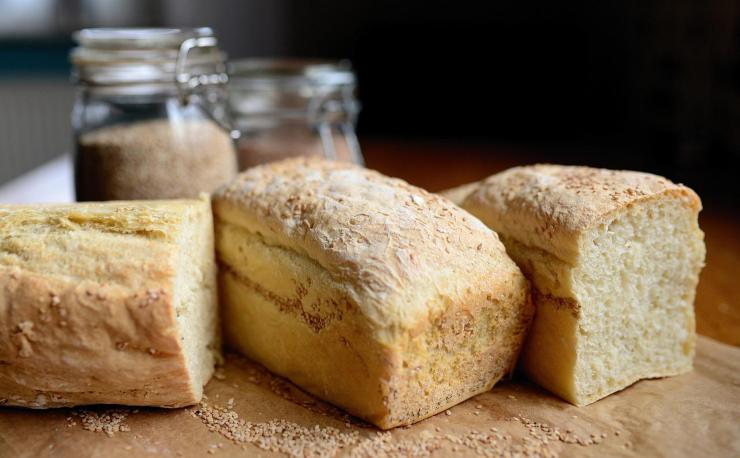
{"points": [[150, 118], [286, 108]]}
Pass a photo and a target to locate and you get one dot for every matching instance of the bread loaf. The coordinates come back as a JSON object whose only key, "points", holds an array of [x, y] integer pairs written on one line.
{"points": [[373, 294], [110, 303], [614, 258]]}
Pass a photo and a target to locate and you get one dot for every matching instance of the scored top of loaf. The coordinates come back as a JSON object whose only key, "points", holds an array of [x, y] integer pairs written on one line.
{"points": [[396, 246], [549, 206]]}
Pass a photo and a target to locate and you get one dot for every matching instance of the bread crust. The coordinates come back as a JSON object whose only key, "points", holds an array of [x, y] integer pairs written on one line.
{"points": [[422, 307], [377, 234], [559, 223], [87, 309], [550, 206]]}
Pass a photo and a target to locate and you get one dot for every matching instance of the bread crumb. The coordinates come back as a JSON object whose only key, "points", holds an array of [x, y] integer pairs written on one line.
{"points": [[448, 412], [276, 435], [108, 421]]}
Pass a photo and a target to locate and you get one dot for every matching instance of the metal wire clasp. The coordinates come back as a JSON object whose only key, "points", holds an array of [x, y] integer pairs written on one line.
{"points": [[187, 82]]}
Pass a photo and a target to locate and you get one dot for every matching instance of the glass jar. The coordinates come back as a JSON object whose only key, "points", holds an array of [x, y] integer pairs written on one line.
{"points": [[150, 118], [286, 108]]}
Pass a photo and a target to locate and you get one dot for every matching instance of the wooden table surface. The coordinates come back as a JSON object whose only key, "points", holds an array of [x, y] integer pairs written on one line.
{"points": [[438, 166]]}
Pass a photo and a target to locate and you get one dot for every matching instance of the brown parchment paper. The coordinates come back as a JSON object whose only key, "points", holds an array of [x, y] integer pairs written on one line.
{"points": [[693, 415]]}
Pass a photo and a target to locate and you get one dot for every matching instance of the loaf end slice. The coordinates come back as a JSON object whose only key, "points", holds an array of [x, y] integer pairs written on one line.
{"points": [[370, 293], [107, 303], [614, 257]]}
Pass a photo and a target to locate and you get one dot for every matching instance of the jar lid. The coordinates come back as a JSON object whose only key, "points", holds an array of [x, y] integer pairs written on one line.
{"points": [[290, 88], [290, 73], [119, 56], [137, 38]]}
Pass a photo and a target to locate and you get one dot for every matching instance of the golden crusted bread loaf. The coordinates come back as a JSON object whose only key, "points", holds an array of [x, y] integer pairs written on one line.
{"points": [[107, 303], [368, 292], [614, 258]]}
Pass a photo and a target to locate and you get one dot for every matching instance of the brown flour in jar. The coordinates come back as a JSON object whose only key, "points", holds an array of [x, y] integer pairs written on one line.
{"points": [[285, 142], [157, 159]]}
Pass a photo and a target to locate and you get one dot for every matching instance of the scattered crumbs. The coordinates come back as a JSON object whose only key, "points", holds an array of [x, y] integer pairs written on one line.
{"points": [[382, 444], [276, 435], [574, 416], [219, 374], [108, 421], [511, 396], [543, 437], [295, 440], [476, 412], [628, 444], [617, 433], [230, 402], [292, 439]]}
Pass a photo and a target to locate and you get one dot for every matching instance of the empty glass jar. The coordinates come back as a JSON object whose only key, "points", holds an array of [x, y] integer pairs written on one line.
{"points": [[287, 108], [150, 118]]}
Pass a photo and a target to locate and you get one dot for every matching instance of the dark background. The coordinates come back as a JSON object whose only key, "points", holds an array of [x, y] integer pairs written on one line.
{"points": [[651, 85]]}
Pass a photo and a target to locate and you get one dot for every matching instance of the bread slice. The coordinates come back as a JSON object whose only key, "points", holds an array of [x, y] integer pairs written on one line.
{"points": [[368, 292], [614, 257], [111, 303]]}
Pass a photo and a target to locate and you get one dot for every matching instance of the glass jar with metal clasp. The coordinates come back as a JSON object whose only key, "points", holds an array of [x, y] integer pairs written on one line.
{"points": [[285, 108], [150, 118]]}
